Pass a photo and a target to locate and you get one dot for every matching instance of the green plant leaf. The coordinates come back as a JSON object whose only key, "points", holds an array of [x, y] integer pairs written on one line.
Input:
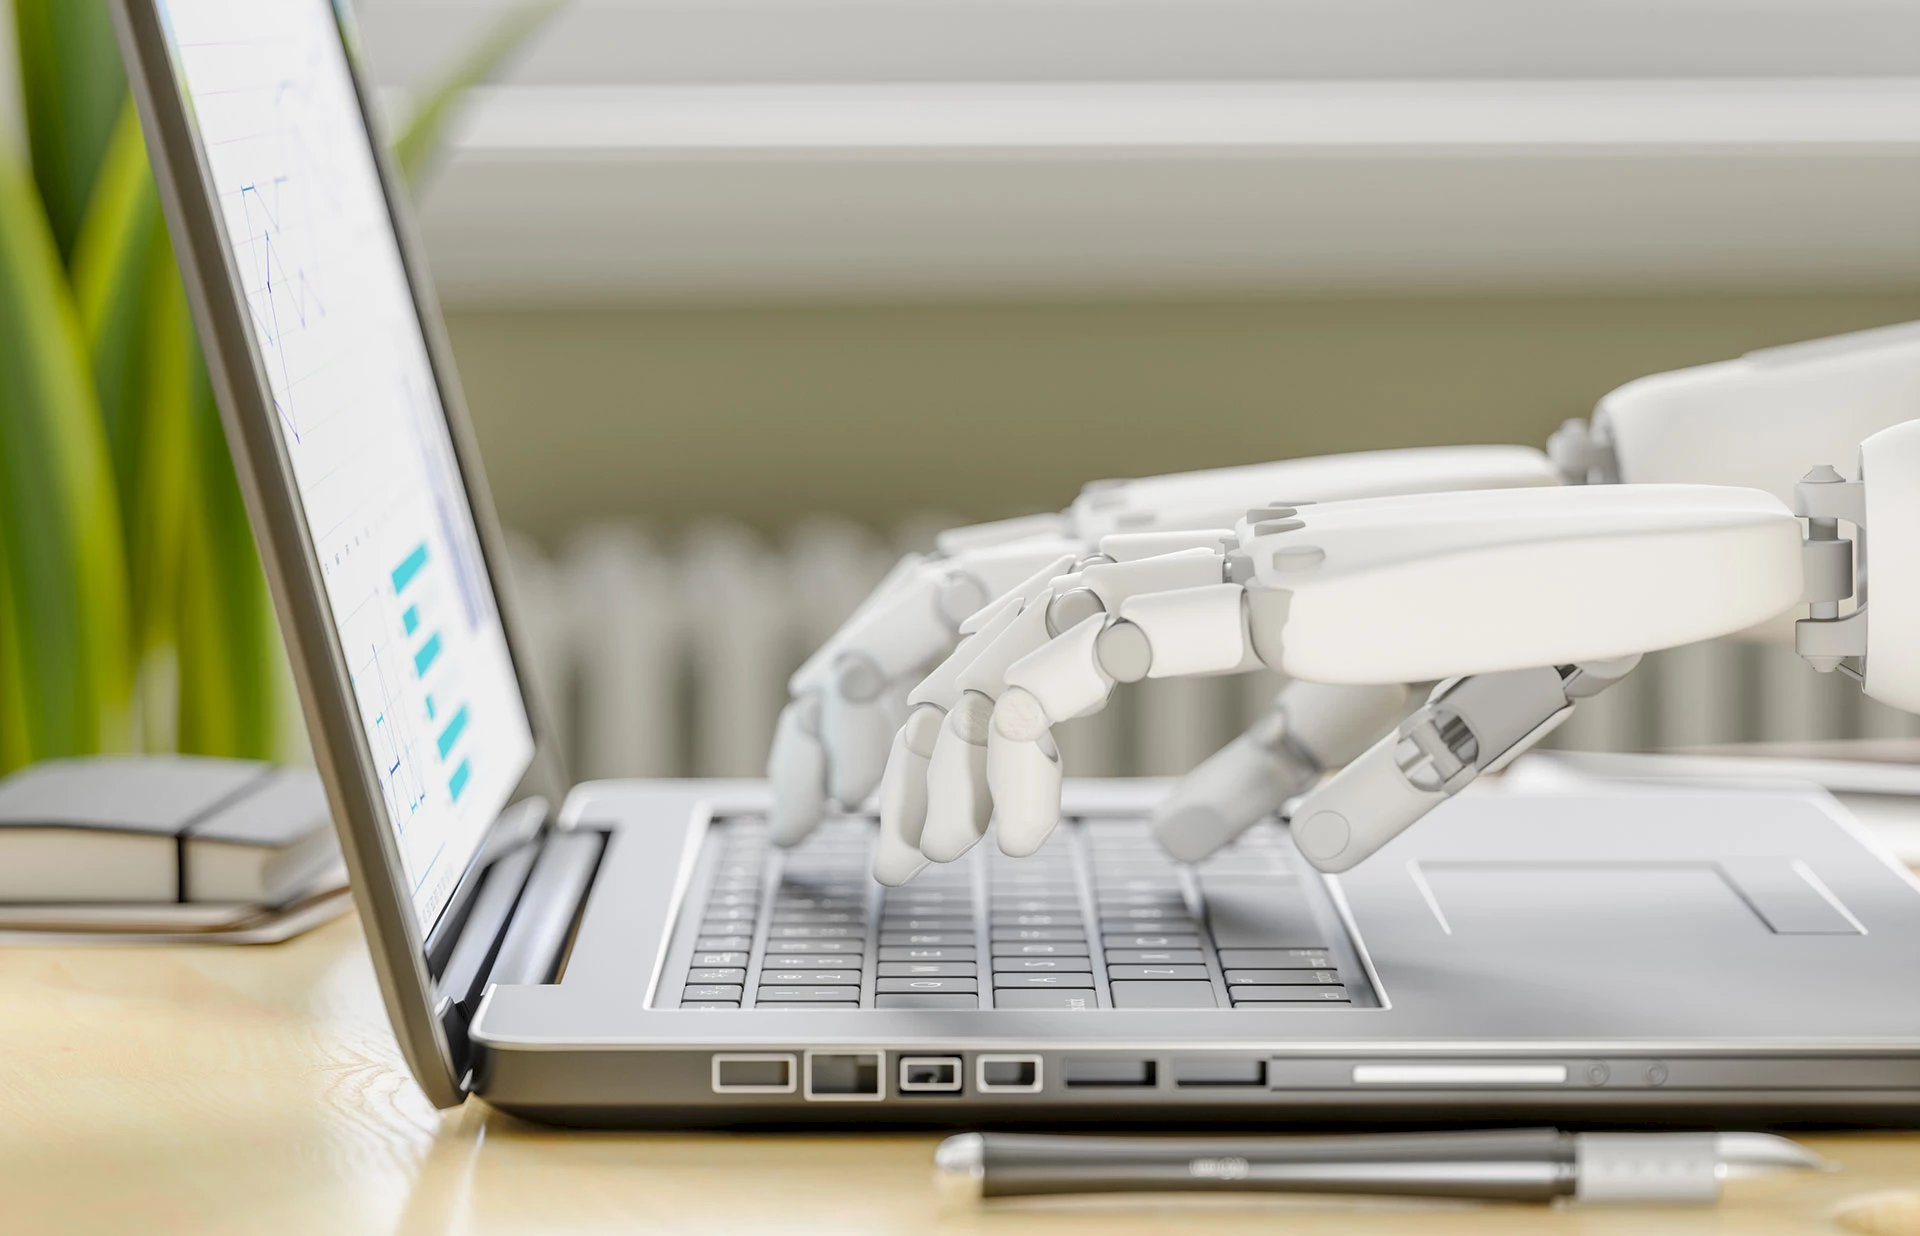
{"points": [[72, 83], [417, 148], [66, 625], [134, 313], [111, 268], [229, 648]]}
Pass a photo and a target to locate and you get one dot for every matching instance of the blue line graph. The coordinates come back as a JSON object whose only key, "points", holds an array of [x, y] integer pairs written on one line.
{"points": [[271, 284]]}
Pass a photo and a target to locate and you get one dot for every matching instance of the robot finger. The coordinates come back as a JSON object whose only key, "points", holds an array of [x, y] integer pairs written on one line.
{"points": [[797, 772]]}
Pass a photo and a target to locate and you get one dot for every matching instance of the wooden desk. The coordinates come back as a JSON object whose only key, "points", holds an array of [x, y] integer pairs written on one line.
{"points": [[259, 1090]]}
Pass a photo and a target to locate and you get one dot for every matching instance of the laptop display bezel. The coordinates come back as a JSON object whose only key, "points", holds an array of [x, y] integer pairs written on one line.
{"points": [[341, 751]]}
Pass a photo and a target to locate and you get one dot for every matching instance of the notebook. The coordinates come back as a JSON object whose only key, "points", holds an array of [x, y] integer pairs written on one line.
{"points": [[148, 830]]}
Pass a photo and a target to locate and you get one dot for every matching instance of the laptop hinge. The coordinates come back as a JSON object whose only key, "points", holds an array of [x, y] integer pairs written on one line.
{"points": [[510, 830], [517, 928]]}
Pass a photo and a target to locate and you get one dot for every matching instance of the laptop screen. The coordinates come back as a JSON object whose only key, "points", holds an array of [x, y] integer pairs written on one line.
{"points": [[332, 313]]}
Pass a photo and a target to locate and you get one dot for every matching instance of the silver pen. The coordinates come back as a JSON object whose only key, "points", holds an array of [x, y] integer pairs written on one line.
{"points": [[1515, 1165]]}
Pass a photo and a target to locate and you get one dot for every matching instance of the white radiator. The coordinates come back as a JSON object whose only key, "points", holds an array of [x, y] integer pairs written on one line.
{"points": [[668, 656]]}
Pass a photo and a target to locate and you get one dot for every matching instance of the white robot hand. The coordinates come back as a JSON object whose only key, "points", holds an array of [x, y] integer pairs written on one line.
{"points": [[1523, 600], [831, 743]]}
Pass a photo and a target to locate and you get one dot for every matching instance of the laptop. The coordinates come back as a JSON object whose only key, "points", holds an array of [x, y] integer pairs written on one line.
{"points": [[639, 953]]}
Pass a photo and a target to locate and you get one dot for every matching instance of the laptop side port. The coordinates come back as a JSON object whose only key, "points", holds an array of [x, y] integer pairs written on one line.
{"points": [[929, 1074], [1007, 1074], [755, 1073], [1108, 1073], [1216, 1073], [845, 1076]]}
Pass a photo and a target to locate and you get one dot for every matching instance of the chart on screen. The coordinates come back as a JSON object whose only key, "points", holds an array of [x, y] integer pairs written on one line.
{"points": [[358, 407]]}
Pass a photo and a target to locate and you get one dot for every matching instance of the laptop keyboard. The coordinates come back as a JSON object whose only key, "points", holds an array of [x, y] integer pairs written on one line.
{"points": [[1099, 918]]}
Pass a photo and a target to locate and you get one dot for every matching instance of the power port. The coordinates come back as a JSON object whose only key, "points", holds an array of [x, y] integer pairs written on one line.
{"points": [[844, 1076], [1108, 1073], [754, 1073], [925, 1074], [1008, 1074], [1205, 1072]]}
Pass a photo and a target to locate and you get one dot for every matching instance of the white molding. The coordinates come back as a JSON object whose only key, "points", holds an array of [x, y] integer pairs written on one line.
{"points": [[981, 189], [934, 119]]}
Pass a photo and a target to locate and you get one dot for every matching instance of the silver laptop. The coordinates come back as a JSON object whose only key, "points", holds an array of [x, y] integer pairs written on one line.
{"points": [[639, 953]]}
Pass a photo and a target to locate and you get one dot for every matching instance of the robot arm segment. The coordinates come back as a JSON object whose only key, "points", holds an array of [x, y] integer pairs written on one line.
{"points": [[1529, 598], [1468, 726], [832, 741]]}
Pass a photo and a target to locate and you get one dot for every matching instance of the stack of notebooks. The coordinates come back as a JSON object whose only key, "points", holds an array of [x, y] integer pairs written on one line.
{"points": [[166, 848]]}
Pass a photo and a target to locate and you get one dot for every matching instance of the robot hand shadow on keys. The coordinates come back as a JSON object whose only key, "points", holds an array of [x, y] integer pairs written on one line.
{"points": [[1694, 504]]}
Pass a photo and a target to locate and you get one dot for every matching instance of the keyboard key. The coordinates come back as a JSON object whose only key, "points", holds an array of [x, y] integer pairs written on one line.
{"points": [[924, 1000], [1015, 918], [928, 969], [719, 959], [1017, 965], [926, 939], [943, 953], [1024, 979], [827, 917], [1050, 948], [1265, 914], [1156, 972], [890, 924], [1147, 914], [1122, 926], [1282, 978], [723, 974], [1275, 959], [1037, 998], [816, 946], [809, 1006], [1287, 995], [1154, 956], [710, 991], [801, 961], [791, 994], [926, 984], [1152, 941], [723, 943], [1021, 935], [826, 977], [1161, 995], [1062, 904], [725, 914], [709, 1004], [818, 931], [1171, 898]]}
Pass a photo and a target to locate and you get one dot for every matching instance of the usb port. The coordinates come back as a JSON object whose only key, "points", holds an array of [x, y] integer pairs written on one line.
{"points": [[924, 1074], [1007, 1074], [754, 1073], [844, 1076], [1107, 1072], [1218, 1073]]}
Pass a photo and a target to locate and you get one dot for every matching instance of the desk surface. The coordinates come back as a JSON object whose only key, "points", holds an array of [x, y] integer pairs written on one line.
{"points": [[229, 1090]]}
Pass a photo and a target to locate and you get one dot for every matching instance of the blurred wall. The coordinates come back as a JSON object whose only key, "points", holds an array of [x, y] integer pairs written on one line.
{"points": [[772, 413]]}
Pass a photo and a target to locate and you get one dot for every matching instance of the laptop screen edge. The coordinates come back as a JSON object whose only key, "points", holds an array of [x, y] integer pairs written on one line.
{"points": [[341, 752]]}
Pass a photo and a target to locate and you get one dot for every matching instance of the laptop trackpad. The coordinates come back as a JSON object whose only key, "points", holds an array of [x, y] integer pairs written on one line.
{"points": [[1648, 903]]}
